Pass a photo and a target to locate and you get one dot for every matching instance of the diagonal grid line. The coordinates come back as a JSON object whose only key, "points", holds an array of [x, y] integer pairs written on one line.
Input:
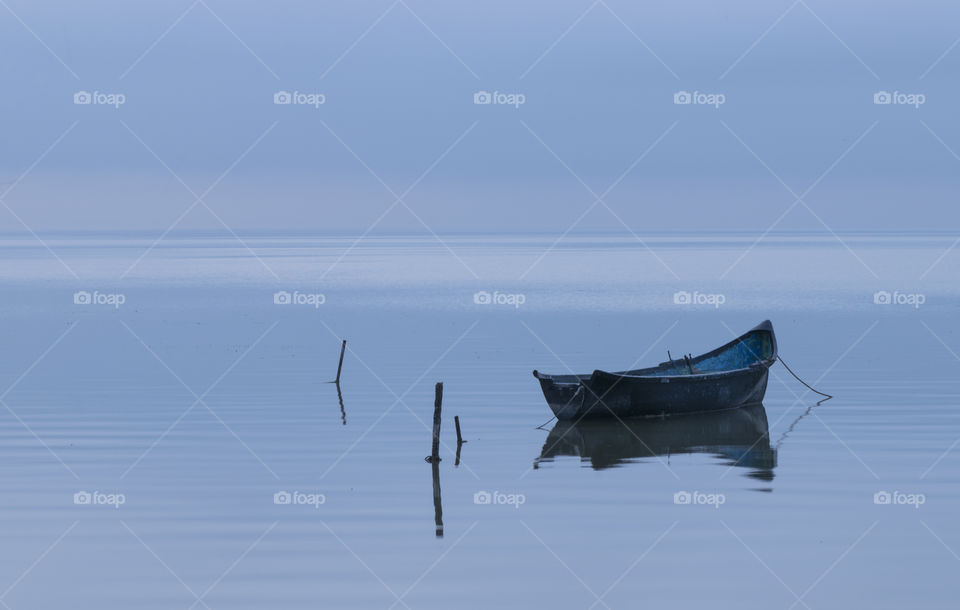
{"points": [[600, 198], [939, 59], [564, 564], [798, 199], [952, 446], [157, 41], [38, 560], [433, 565], [19, 179], [359, 38], [434, 34], [807, 391], [764, 563], [199, 398], [757, 41], [230, 568], [363, 563], [19, 379], [833, 565], [940, 540], [634, 564], [957, 157], [399, 199], [40, 40], [161, 561], [601, 397], [640, 40], [561, 37], [199, 199], [240, 40], [398, 399], [840, 40]]}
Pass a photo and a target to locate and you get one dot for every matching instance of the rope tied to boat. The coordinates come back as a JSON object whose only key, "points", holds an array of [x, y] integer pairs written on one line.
{"points": [[540, 427], [809, 387]]}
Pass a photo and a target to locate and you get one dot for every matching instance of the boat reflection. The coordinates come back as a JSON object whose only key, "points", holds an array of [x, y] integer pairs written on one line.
{"points": [[739, 436]]}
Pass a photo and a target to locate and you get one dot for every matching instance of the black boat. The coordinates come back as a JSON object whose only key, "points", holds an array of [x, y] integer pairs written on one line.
{"points": [[740, 437], [730, 376]]}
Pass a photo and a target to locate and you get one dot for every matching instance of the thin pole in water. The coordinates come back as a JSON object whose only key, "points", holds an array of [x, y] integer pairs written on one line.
{"points": [[343, 348], [437, 402], [456, 422], [460, 441]]}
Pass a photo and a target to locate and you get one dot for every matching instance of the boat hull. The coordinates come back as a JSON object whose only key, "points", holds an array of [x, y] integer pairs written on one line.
{"points": [[610, 395], [730, 376]]}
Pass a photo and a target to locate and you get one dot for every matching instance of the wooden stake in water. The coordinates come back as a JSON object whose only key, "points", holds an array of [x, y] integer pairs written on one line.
{"points": [[460, 441], [456, 422], [437, 402], [343, 348]]}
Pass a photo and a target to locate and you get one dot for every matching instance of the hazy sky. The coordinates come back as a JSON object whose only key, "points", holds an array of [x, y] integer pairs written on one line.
{"points": [[398, 81]]}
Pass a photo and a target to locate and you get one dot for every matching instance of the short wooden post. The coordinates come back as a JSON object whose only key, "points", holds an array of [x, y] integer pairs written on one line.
{"points": [[343, 348], [437, 403]]}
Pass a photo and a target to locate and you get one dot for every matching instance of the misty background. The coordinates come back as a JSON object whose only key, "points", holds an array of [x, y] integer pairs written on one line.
{"points": [[398, 81]]}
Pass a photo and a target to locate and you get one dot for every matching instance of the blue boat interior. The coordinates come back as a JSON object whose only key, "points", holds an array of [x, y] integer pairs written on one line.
{"points": [[754, 347]]}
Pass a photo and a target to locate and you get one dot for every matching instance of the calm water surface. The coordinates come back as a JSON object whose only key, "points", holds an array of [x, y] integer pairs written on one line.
{"points": [[199, 399]]}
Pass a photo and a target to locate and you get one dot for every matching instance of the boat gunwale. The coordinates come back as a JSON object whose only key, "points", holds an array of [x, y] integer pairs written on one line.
{"points": [[692, 376], [765, 326]]}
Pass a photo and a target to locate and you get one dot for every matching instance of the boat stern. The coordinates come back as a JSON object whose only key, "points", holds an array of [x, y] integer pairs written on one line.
{"points": [[564, 396]]}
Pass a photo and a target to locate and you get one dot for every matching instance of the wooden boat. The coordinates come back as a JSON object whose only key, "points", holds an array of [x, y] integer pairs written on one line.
{"points": [[739, 437], [730, 376]]}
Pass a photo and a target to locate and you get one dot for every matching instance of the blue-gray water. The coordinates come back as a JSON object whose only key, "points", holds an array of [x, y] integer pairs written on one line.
{"points": [[198, 399]]}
